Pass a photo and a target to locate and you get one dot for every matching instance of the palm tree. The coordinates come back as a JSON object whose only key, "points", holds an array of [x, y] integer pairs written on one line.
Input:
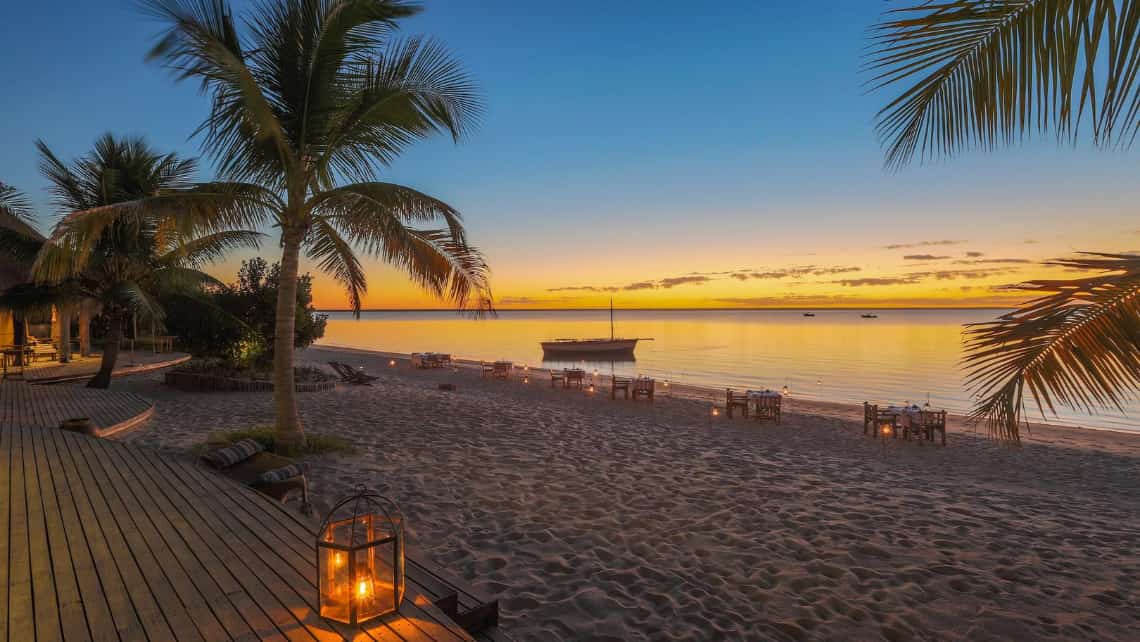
{"points": [[19, 242], [133, 225], [309, 103], [979, 73]]}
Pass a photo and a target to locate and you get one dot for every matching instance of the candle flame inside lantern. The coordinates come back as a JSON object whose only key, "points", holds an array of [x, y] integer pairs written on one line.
{"points": [[362, 589], [392, 362]]}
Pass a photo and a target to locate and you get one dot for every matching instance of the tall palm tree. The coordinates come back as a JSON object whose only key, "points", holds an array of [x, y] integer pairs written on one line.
{"points": [[979, 73], [309, 103], [19, 242], [133, 224]]}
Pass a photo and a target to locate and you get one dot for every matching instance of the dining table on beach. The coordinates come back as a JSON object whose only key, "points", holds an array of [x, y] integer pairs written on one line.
{"points": [[906, 415]]}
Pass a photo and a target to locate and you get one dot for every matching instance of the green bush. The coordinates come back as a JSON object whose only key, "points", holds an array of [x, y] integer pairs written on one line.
{"points": [[237, 323]]}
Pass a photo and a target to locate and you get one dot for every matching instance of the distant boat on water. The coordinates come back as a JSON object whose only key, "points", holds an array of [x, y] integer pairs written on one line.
{"points": [[612, 346], [870, 315], [809, 314]]}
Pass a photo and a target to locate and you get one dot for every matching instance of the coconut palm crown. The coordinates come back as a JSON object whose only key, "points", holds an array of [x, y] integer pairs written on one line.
{"points": [[132, 225], [311, 99], [979, 73]]}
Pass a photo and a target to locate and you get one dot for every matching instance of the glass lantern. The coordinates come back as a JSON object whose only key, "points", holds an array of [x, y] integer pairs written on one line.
{"points": [[360, 558]]}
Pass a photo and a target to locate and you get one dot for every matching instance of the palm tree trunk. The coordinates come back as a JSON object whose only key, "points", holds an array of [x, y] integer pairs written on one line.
{"points": [[289, 434], [64, 332], [114, 335]]}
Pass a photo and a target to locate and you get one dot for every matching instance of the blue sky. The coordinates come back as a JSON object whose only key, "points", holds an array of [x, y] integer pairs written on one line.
{"points": [[638, 134]]}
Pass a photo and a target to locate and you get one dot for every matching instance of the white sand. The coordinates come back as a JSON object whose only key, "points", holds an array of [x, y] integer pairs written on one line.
{"points": [[599, 519]]}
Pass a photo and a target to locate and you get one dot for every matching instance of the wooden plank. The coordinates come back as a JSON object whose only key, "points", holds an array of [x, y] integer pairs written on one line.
{"points": [[176, 535], [275, 527], [179, 601], [5, 505], [96, 609], [109, 579], [257, 605], [21, 621], [51, 561]]}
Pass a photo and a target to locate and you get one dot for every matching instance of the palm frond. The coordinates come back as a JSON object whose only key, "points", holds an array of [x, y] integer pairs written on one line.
{"points": [[199, 251], [437, 260], [982, 72], [1077, 345], [334, 256], [410, 205], [243, 132], [18, 238], [412, 90]]}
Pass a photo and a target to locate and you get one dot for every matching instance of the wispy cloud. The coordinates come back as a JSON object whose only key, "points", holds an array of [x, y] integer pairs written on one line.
{"points": [[924, 257], [887, 280], [991, 261], [673, 282], [585, 288], [640, 285], [798, 271], [902, 246], [975, 255], [913, 278]]}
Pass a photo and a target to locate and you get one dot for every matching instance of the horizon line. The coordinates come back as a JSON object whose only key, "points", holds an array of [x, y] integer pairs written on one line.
{"points": [[688, 309]]}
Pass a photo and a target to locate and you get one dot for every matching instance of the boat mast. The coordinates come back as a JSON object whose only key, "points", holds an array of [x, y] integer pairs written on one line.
{"points": [[611, 318]]}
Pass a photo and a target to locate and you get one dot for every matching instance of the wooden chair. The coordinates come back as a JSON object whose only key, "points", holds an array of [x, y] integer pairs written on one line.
{"points": [[42, 349], [870, 419], [620, 383], [502, 369], [643, 387], [557, 376], [735, 400], [932, 421], [768, 407], [573, 377]]}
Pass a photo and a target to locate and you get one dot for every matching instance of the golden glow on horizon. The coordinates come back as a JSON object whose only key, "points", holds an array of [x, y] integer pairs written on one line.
{"points": [[930, 274]]}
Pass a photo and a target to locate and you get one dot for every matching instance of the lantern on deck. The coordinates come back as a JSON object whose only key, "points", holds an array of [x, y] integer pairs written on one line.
{"points": [[360, 558]]}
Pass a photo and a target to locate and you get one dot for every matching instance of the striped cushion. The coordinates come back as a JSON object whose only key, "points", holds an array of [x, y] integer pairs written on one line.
{"points": [[231, 455], [281, 474]]}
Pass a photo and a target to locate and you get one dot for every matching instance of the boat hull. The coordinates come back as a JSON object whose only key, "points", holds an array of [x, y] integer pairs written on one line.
{"points": [[589, 346]]}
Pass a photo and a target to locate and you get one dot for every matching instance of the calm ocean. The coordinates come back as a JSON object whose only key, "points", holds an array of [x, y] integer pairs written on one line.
{"points": [[904, 355]]}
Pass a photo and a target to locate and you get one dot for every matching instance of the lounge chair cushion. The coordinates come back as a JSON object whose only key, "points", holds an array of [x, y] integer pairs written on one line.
{"points": [[281, 474], [231, 455]]}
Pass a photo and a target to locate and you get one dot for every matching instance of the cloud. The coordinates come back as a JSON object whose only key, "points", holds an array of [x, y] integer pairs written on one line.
{"points": [[741, 276], [918, 277], [640, 285], [682, 280], [901, 246], [517, 300], [803, 270], [584, 288], [890, 280], [975, 255], [923, 257], [991, 261]]}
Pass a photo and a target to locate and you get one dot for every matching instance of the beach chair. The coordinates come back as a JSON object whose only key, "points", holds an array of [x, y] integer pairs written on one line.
{"points": [[931, 421], [351, 375], [643, 387], [620, 383], [573, 377], [248, 462], [768, 407], [734, 400], [558, 376]]}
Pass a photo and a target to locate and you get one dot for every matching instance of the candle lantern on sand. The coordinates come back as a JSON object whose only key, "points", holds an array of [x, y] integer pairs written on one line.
{"points": [[360, 558]]}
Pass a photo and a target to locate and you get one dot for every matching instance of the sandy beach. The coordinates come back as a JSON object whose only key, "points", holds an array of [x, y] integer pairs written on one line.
{"points": [[614, 520]]}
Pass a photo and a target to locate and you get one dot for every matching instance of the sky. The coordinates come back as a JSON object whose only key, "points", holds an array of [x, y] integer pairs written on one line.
{"points": [[657, 152]]}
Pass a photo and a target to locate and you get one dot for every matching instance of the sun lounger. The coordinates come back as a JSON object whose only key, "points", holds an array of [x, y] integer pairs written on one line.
{"points": [[351, 375], [249, 463]]}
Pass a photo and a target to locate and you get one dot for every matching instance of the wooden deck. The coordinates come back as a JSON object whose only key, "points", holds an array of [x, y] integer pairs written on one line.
{"points": [[80, 368], [103, 541], [27, 406]]}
